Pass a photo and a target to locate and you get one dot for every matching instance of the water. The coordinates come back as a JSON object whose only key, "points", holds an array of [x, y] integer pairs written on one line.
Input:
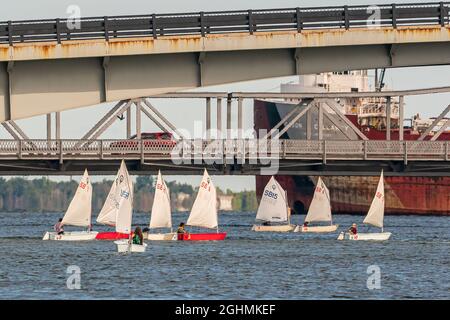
{"points": [[414, 263]]}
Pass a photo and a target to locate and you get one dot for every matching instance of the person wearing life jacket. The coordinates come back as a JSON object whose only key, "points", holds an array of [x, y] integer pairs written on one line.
{"points": [[181, 229], [138, 237], [353, 229], [58, 227]]}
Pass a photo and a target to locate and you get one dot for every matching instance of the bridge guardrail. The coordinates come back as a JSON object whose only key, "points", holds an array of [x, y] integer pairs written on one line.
{"points": [[203, 23], [244, 149]]}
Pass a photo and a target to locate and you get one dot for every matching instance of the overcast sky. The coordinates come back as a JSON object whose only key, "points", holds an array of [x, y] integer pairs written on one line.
{"points": [[76, 122]]}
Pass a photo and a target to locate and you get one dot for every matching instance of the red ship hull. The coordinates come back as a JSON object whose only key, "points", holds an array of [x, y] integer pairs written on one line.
{"points": [[111, 236], [202, 236], [353, 195]]}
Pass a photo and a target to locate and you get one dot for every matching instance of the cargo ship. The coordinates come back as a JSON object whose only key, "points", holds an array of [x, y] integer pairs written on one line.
{"points": [[353, 195]]}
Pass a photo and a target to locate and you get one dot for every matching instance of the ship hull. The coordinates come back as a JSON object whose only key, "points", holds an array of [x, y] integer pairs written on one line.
{"points": [[353, 195]]}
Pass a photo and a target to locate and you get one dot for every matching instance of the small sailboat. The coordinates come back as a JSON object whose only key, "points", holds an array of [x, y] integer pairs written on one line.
{"points": [[78, 214], [374, 217], [161, 216], [273, 208], [319, 211], [124, 195], [204, 213], [108, 214]]}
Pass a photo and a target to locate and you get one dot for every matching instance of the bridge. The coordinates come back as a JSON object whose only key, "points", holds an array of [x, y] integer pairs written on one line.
{"points": [[57, 64], [226, 156], [226, 150]]}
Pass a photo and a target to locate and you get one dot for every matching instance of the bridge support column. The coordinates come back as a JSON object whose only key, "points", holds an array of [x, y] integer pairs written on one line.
{"points": [[138, 119], [49, 126], [388, 118], [128, 116], [401, 116], [208, 118], [219, 118], [229, 105], [240, 119]]}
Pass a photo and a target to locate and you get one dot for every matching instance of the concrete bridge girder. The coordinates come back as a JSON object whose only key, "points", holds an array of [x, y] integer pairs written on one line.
{"points": [[85, 73]]}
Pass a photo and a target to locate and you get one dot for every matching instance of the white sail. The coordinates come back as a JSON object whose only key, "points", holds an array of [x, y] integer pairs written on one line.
{"points": [[79, 211], [204, 209], [125, 201], [375, 215], [108, 214], [273, 205], [161, 214], [320, 208]]}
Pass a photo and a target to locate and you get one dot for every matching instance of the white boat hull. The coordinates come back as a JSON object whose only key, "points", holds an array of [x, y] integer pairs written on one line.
{"points": [[162, 236], [71, 236], [380, 236], [124, 246], [278, 228], [317, 229]]}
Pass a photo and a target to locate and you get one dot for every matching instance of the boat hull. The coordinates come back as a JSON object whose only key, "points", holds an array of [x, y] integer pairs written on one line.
{"points": [[317, 229], [202, 236], [162, 236], [380, 236], [280, 228], [71, 236], [111, 236], [124, 246]]}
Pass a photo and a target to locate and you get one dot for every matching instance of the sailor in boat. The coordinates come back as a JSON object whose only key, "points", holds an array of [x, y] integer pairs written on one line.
{"points": [[266, 223], [306, 223], [181, 229], [353, 229], [138, 237], [59, 228]]}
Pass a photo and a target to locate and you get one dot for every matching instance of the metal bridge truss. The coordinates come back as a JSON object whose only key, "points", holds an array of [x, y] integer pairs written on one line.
{"points": [[223, 155]]}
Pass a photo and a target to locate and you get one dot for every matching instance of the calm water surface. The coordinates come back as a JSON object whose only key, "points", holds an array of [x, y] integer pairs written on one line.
{"points": [[414, 263]]}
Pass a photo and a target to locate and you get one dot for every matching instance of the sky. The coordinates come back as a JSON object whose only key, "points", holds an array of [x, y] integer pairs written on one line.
{"points": [[76, 122]]}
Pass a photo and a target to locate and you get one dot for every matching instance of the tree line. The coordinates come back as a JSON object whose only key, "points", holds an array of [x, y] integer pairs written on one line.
{"points": [[45, 195]]}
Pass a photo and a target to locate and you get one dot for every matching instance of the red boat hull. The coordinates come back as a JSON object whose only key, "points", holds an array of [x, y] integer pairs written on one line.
{"points": [[202, 236], [111, 236]]}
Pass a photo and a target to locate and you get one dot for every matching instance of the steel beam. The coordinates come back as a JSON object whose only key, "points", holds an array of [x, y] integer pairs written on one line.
{"points": [[388, 118], [333, 105], [219, 118], [103, 120], [441, 130], [320, 121], [401, 113], [138, 119], [435, 122], [208, 118], [49, 126], [18, 130], [154, 120], [293, 121], [240, 119], [167, 122]]}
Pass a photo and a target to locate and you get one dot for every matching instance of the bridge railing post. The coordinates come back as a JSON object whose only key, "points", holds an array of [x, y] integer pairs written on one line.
{"points": [[59, 142], [10, 33], [20, 147], [58, 30], [394, 16], [105, 27], [154, 30], [346, 18], [202, 23], [250, 21], [405, 152], [101, 150], [299, 19], [446, 151], [442, 14], [141, 145]]}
